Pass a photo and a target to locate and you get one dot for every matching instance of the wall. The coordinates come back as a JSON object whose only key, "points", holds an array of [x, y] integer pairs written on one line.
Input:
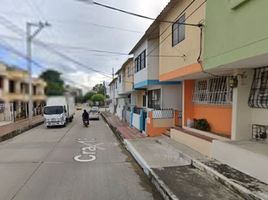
{"points": [[136, 121], [241, 31], [220, 125], [120, 107], [153, 59], [243, 115], [136, 98], [172, 67], [172, 96], [128, 80]]}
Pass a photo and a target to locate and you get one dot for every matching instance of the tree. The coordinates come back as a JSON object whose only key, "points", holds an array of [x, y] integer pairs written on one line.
{"points": [[88, 96], [99, 88], [98, 98], [55, 85]]}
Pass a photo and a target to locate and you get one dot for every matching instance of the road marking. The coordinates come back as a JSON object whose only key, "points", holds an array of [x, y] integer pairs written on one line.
{"points": [[88, 151]]}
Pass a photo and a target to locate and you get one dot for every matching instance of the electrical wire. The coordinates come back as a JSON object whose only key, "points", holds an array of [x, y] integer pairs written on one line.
{"points": [[21, 55], [132, 13], [20, 32]]}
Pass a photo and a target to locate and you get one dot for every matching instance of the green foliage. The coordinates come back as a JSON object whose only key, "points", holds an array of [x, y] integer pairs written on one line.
{"points": [[55, 85], [201, 124], [88, 96], [99, 89], [98, 98]]}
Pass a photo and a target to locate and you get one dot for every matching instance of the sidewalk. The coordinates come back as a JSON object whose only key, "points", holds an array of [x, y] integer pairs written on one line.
{"points": [[10, 130], [180, 172], [122, 130]]}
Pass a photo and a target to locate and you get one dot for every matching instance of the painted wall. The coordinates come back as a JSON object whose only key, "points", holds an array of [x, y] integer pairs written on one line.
{"points": [[172, 96], [190, 46], [238, 33], [153, 59], [243, 115], [219, 124], [136, 121], [136, 98], [128, 80]]}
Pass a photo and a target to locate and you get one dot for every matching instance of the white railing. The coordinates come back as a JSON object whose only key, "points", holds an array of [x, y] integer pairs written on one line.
{"points": [[163, 114]]}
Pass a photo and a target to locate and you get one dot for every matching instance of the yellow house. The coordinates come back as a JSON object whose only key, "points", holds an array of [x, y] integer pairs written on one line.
{"points": [[14, 90], [179, 45]]}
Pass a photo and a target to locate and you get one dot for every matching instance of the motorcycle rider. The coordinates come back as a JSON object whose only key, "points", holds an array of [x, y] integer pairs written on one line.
{"points": [[85, 116]]}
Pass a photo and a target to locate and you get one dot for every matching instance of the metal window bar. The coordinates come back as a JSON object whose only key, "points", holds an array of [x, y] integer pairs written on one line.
{"points": [[212, 91], [258, 97]]}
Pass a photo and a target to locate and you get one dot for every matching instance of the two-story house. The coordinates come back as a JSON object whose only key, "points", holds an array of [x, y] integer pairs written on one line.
{"points": [[14, 93], [236, 44], [125, 88], [151, 93]]}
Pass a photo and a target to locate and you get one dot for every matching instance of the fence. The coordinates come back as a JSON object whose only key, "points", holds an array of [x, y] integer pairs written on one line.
{"points": [[163, 114]]}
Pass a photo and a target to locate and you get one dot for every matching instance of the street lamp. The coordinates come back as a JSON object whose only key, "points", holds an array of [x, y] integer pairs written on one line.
{"points": [[29, 38]]}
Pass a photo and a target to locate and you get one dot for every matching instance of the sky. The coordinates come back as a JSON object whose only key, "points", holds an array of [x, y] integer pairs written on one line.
{"points": [[76, 29]]}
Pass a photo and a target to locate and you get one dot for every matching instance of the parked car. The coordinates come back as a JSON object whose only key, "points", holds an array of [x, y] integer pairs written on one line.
{"points": [[94, 113]]}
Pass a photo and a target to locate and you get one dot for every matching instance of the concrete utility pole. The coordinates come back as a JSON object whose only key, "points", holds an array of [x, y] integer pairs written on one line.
{"points": [[29, 37]]}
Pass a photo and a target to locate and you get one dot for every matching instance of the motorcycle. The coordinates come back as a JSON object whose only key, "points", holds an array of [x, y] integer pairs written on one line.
{"points": [[86, 123]]}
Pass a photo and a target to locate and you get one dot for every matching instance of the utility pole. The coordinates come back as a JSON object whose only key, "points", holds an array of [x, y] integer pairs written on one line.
{"points": [[29, 38]]}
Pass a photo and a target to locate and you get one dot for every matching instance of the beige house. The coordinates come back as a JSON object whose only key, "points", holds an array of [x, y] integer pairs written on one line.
{"points": [[14, 93]]}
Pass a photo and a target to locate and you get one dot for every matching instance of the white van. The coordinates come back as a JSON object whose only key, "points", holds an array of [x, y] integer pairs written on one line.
{"points": [[59, 110]]}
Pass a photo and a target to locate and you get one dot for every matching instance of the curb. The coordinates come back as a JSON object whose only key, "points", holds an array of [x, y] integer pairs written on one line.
{"points": [[114, 129], [161, 187], [164, 190], [247, 194], [19, 131]]}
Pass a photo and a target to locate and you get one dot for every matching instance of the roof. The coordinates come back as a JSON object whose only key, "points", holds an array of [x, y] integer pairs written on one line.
{"points": [[153, 30], [113, 81], [124, 65]]}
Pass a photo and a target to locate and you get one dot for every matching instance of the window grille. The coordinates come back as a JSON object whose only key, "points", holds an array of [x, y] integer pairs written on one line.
{"points": [[140, 61], [212, 91], [258, 97]]}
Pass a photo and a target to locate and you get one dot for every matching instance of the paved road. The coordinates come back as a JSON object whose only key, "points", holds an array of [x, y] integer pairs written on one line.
{"points": [[40, 165]]}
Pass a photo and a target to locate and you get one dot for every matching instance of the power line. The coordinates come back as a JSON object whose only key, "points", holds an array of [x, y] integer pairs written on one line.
{"points": [[20, 32], [132, 13], [20, 54]]}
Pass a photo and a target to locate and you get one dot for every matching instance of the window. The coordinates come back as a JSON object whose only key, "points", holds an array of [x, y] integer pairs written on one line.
{"points": [[154, 99], [11, 86], [178, 31], [212, 91], [144, 100], [130, 71], [119, 78], [258, 97], [140, 61]]}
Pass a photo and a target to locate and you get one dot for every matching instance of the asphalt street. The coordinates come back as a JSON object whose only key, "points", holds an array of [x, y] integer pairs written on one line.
{"points": [[70, 163]]}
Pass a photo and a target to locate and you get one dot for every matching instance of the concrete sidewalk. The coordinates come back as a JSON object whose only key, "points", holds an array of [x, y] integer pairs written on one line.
{"points": [[180, 172], [122, 130], [10, 130]]}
